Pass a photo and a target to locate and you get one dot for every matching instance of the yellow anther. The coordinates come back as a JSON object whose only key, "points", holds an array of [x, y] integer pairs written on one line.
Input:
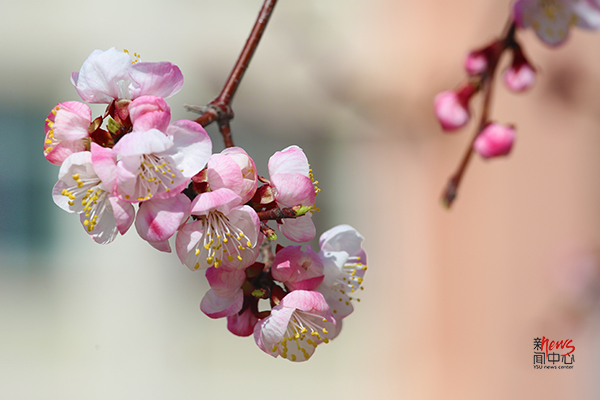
{"points": [[293, 357], [239, 257], [197, 266], [197, 251]]}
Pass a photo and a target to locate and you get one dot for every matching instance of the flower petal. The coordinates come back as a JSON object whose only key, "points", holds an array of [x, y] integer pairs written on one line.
{"points": [[192, 146], [218, 307], [149, 112], [289, 160], [300, 229], [142, 142], [157, 220], [161, 79], [242, 324], [100, 76], [293, 189]]}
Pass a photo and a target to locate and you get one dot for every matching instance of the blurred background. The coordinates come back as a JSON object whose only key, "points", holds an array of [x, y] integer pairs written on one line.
{"points": [[453, 299]]}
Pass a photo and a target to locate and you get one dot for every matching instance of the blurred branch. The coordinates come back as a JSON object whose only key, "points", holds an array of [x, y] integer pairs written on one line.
{"points": [[507, 41]]}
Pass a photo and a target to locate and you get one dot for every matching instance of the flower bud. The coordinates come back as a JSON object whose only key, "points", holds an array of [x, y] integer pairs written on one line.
{"points": [[452, 107], [477, 61], [494, 140], [520, 76]]}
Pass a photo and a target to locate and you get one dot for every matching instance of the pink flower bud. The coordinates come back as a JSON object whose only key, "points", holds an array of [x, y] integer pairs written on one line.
{"points": [[451, 107], [476, 62], [520, 76], [495, 140]]}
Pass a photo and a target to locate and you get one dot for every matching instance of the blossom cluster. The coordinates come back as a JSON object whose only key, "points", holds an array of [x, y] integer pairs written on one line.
{"points": [[551, 20], [216, 206]]}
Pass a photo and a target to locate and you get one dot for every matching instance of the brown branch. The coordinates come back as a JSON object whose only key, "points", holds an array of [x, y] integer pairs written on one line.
{"points": [[220, 108], [507, 41]]}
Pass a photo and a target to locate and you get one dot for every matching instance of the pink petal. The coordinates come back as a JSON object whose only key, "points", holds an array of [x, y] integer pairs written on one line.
{"points": [[242, 324], [223, 172], [72, 121], [289, 160], [342, 238], [192, 146], [105, 231], [101, 74], [61, 151], [161, 246], [225, 282], [305, 300], [300, 229], [138, 143], [187, 238], [149, 112], [157, 220], [105, 166], [298, 269], [222, 200], [124, 214], [218, 307], [293, 189], [161, 79]]}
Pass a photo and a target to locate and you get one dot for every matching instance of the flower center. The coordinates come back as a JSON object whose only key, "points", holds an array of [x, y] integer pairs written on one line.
{"points": [[304, 329], [87, 197], [155, 173], [221, 240]]}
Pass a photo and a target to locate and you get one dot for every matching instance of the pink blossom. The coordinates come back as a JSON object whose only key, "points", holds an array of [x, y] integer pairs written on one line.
{"points": [[296, 326], [345, 264], [67, 131], [225, 296], [552, 20], [452, 107], [80, 190], [154, 163], [495, 140], [290, 179], [225, 233], [520, 76], [476, 63], [297, 269], [109, 75], [235, 170]]}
